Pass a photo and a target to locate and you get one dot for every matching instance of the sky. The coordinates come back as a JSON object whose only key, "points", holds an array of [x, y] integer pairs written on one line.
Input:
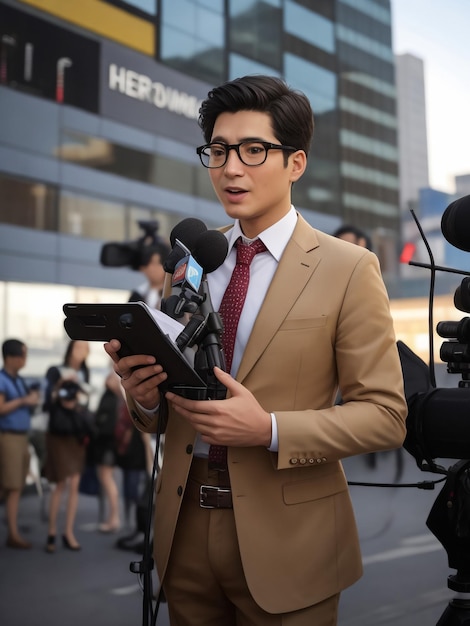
{"points": [[438, 31]]}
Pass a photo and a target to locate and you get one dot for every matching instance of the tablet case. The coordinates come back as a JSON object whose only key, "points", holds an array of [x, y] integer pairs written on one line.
{"points": [[134, 326]]}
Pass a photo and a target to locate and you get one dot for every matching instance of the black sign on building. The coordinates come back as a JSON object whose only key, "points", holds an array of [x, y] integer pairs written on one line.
{"points": [[48, 61]]}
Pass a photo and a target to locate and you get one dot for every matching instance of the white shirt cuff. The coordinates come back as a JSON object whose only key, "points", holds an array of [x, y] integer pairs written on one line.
{"points": [[274, 447], [147, 412]]}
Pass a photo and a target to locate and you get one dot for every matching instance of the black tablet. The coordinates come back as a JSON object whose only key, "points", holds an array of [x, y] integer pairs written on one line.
{"points": [[139, 329]]}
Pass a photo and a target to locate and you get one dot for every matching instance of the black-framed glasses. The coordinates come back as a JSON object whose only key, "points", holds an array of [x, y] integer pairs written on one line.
{"points": [[250, 153]]}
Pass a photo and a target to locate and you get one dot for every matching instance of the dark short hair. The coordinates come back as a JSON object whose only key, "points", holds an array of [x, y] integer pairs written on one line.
{"points": [[354, 230], [13, 347], [160, 247], [289, 109]]}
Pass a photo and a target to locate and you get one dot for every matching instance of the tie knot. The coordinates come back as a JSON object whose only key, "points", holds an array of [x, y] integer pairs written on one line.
{"points": [[246, 252]]}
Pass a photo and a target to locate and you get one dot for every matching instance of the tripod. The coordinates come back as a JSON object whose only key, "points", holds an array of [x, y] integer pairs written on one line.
{"points": [[449, 521]]}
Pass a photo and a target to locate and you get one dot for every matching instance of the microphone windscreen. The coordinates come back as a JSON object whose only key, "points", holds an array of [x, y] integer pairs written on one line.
{"points": [[462, 296], [210, 250], [187, 231], [455, 223]]}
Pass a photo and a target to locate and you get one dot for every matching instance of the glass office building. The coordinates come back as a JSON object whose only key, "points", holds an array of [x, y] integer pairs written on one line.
{"points": [[98, 128]]}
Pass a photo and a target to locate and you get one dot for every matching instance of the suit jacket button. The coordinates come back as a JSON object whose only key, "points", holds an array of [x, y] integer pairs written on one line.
{"points": [[189, 449], [311, 461], [179, 491], [293, 461], [324, 459], [303, 461], [318, 460]]}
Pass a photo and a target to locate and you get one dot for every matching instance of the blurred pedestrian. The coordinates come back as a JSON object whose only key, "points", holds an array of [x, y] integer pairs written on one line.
{"points": [[66, 398], [16, 405], [74, 367], [104, 452], [69, 430]]}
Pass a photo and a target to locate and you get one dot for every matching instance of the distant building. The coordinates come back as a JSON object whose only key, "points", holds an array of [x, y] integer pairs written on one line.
{"points": [[98, 128], [412, 133]]}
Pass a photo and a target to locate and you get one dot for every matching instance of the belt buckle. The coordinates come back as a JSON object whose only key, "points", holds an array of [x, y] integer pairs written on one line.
{"points": [[206, 489]]}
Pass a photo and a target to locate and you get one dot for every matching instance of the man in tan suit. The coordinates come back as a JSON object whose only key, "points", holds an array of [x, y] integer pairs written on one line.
{"points": [[270, 539]]}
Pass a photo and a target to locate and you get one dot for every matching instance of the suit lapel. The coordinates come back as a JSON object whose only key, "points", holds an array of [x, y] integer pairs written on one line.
{"points": [[296, 266]]}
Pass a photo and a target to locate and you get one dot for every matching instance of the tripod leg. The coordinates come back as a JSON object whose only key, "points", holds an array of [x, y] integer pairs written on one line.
{"points": [[457, 613]]}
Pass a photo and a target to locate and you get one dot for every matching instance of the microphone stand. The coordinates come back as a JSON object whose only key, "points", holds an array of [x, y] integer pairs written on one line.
{"points": [[210, 352], [144, 568]]}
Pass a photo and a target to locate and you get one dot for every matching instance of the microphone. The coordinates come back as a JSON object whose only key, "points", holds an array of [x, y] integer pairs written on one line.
{"points": [[185, 283], [183, 237], [455, 223], [187, 272], [462, 296], [177, 299], [191, 333], [211, 250]]}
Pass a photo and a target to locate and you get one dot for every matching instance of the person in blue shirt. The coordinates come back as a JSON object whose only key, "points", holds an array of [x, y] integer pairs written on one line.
{"points": [[16, 404]]}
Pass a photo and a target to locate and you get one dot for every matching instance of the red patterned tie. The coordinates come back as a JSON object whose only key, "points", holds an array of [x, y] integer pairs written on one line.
{"points": [[230, 311]]}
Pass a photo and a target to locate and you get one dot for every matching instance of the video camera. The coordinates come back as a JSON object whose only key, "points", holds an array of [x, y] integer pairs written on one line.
{"points": [[135, 254], [438, 424]]}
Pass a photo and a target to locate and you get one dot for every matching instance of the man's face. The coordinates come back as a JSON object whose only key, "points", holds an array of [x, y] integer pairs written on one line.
{"points": [[258, 196]]}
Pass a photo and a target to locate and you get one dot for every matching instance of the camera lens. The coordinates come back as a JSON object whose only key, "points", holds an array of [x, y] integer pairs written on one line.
{"points": [[455, 330], [455, 352]]}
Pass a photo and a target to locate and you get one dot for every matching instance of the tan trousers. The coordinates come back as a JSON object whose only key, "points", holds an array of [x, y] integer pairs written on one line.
{"points": [[205, 584]]}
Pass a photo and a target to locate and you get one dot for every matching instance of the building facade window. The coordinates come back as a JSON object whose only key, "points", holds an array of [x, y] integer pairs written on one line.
{"points": [[255, 31], [158, 169], [371, 8], [192, 38], [311, 27], [27, 203], [91, 217], [241, 66], [318, 84]]}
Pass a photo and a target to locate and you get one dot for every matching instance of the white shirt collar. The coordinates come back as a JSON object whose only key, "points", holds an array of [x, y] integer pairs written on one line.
{"points": [[275, 237]]}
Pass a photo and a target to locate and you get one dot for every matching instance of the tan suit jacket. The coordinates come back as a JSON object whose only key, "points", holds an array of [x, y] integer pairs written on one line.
{"points": [[325, 324]]}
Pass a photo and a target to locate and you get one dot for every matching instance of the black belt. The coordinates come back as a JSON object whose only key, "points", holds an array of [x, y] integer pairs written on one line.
{"points": [[211, 497], [14, 432]]}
